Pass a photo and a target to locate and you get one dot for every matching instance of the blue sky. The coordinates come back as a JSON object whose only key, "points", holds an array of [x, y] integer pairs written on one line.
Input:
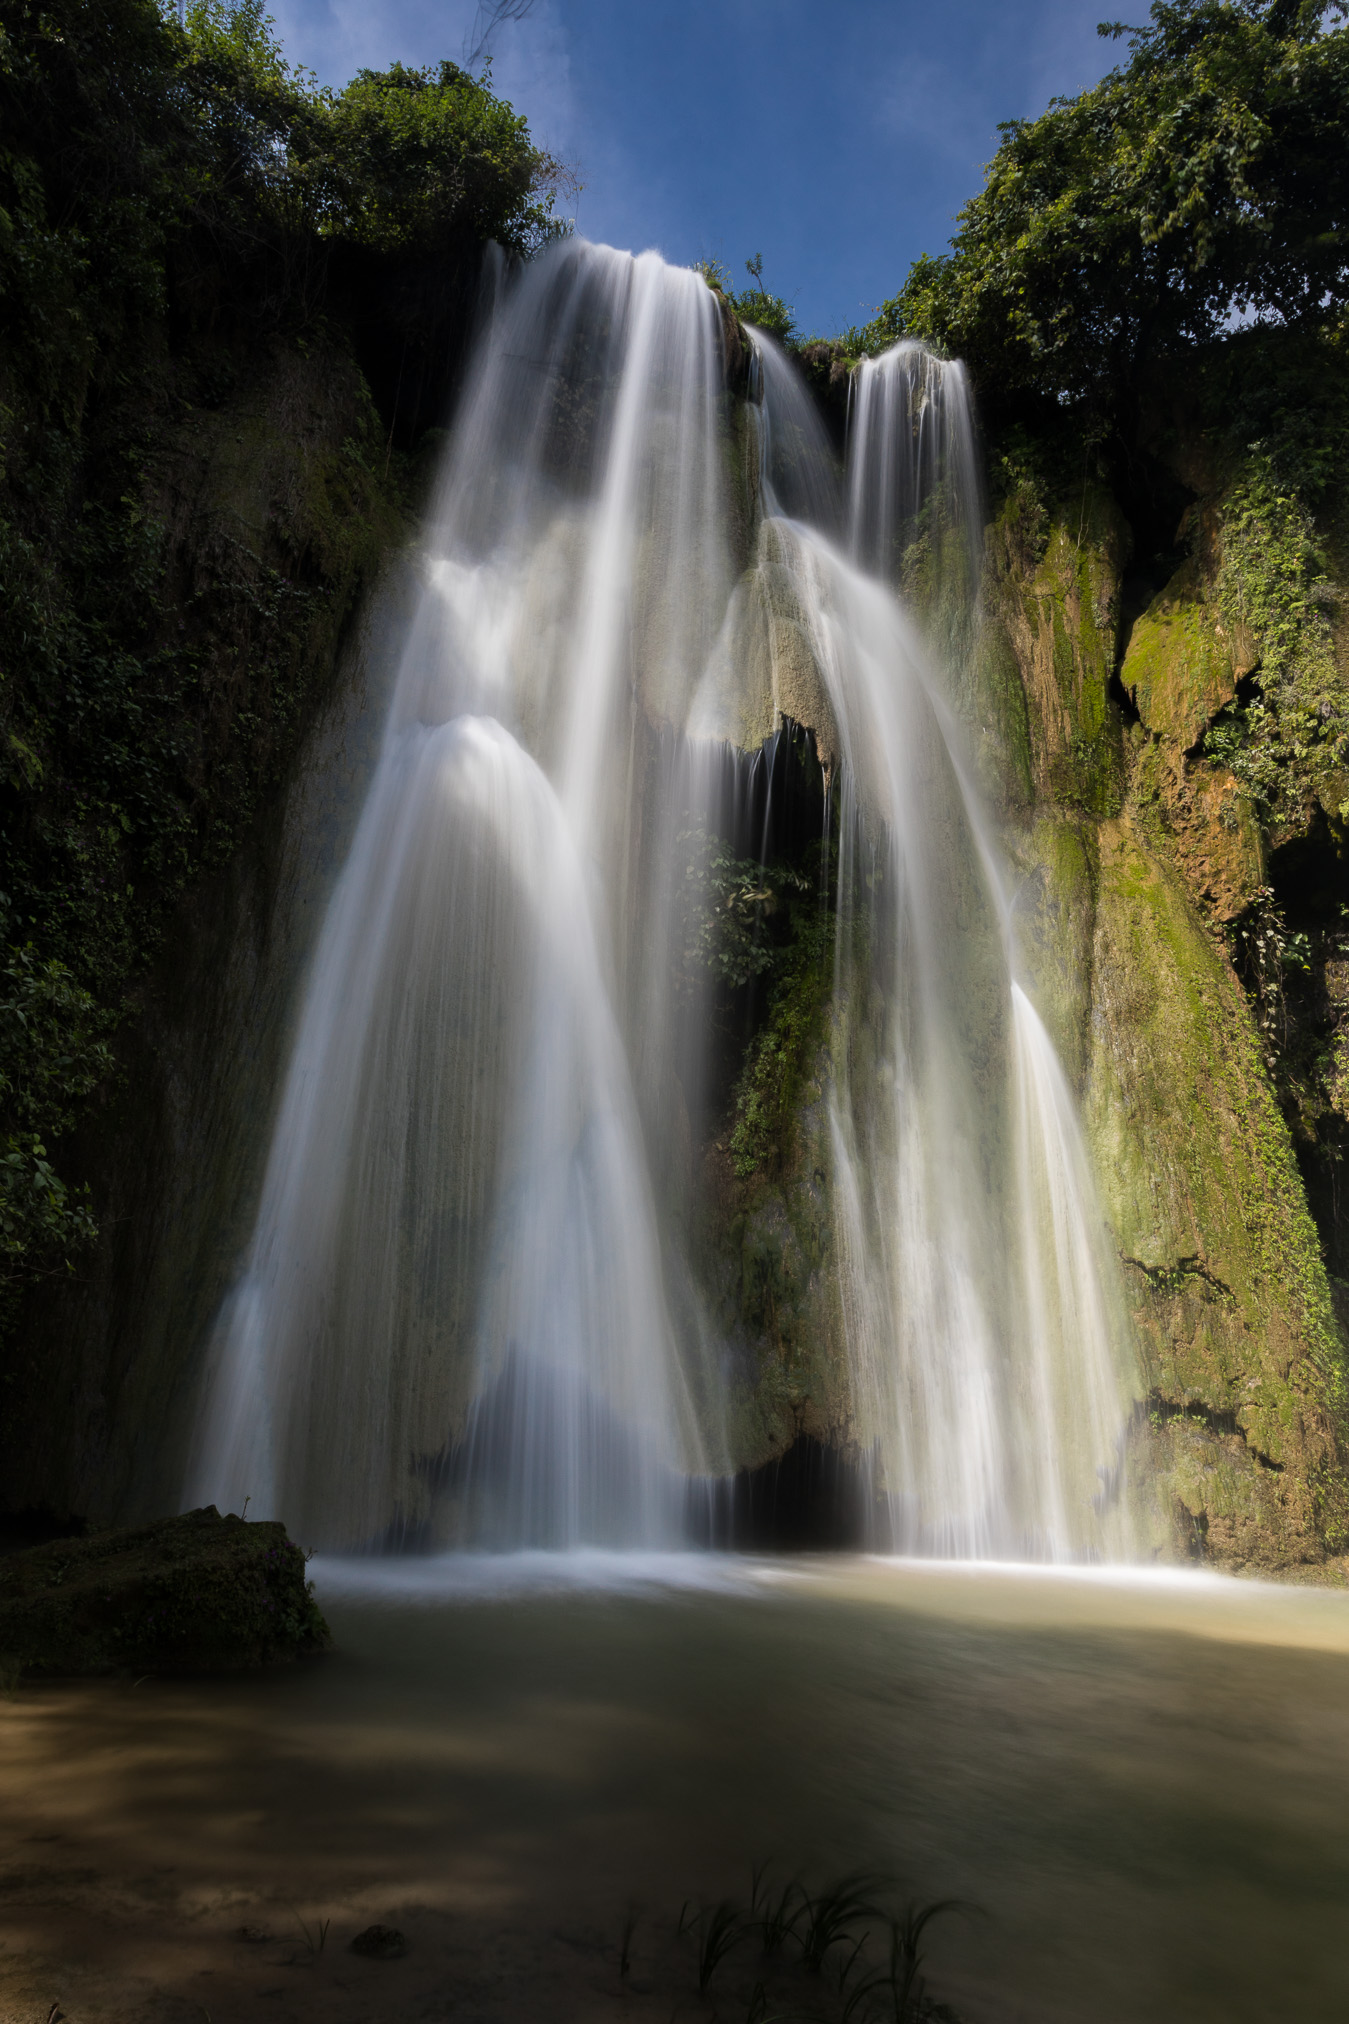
{"points": [[837, 140]]}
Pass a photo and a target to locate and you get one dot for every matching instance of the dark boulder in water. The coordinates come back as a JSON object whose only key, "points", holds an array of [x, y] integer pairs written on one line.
{"points": [[380, 1943], [194, 1594]]}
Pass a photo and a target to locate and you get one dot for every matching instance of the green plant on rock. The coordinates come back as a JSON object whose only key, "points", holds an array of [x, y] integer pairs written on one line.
{"points": [[779, 1055], [730, 907], [756, 304], [1272, 589]]}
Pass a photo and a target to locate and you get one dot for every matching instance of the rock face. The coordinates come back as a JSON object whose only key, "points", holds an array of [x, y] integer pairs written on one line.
{"points": [[1142, 871], [196, 1594]]}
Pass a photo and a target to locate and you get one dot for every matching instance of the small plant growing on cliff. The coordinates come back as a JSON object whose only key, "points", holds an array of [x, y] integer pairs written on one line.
{"points": [[1264, 950], [765, 311], [731, 907]]}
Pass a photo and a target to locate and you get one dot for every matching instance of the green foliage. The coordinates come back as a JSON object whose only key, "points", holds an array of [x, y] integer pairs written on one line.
{"points": [[411, 154], [730, 909], [1205, 178], [52, 1055], [779, 1055], [1287, 392], [400, 159], [755, 304], [1272, 589]]}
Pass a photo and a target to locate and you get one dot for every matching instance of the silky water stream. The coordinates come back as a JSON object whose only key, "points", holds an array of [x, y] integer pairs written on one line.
{"points": [[472, 1320], [471, 1314]]}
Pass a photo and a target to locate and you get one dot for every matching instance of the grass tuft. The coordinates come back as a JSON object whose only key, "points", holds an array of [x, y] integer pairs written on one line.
{"points": [[715, 1929], [829, 1917]]}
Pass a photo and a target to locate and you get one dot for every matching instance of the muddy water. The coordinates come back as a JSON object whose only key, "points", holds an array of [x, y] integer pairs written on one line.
{"points": [[1142, 1784]]}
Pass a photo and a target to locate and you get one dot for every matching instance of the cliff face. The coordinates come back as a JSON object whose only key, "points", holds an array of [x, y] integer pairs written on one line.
{"points": [[277, 515], [1160, 819]]}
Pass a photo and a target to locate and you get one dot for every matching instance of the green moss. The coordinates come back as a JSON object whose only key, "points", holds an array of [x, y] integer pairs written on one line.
{"points": [[1055, 915], [1202, 1190], [1272, 588], [1055, 577], [1175, 667], [779, 1056]]}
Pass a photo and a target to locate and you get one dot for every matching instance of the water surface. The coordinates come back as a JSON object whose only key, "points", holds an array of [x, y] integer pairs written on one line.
{"points": [[1142, 1781]]}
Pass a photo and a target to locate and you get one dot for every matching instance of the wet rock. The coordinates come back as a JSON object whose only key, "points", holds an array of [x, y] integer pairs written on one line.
{"points": [[380, 1943], [194, 1594]]}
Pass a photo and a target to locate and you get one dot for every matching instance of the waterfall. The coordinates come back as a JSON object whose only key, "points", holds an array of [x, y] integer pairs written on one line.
{"points": [[470, 1312], [985, 1329]]}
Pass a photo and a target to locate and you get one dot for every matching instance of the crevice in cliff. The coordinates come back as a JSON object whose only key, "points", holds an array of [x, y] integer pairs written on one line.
{"points": [[1169, 1279], [1221, 1423], [1121, 698], [1291, 951]]}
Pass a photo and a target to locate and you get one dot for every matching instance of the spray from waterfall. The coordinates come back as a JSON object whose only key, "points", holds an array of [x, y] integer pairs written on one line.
{"points": [[472, 1311]]}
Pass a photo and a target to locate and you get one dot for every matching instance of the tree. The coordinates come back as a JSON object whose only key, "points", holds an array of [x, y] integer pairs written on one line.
{"points": [[1205, 181]]}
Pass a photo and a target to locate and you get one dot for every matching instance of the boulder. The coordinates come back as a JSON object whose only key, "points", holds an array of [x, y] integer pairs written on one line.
{"points": [[193, 1594]]}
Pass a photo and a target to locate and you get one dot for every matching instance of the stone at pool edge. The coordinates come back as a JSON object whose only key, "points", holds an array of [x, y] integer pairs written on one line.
{"points": [[380, 1943], [193, 1594]]}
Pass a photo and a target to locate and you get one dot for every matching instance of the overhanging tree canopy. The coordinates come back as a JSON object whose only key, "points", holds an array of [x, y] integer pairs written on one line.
{"points": [[1205, 180]]}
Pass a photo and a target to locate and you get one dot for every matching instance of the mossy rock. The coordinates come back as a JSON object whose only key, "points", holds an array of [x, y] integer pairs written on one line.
{"points": [[194, 1594], [1177, 670], [1201, 1188], [1054, 910], [1058, 597]]}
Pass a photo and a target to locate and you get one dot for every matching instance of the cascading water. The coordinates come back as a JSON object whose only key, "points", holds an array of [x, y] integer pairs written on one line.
{"points": [[469, 1313], [984, 1326], [454, 1301]]}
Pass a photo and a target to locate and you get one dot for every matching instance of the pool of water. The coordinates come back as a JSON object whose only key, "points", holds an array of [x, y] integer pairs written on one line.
{"points": [[1137, 1784]]}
